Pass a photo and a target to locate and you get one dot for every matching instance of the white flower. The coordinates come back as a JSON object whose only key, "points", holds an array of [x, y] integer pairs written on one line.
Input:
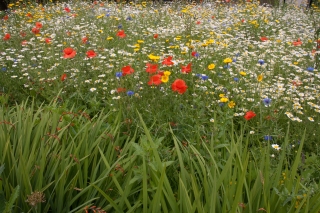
{"points": [[276, 146], [212, 120], [93, 89]]}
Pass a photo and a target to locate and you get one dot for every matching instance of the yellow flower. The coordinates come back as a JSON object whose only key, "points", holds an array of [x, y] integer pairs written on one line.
{"points": [[140, 41], [243, 73], [167, 73], [221, 95], [211, 66], [100, 16], [109, 38], [260, 77], [227, 60], [153, 57], [210, 41], [165, 78], [224, 100], [231, 104], [295, 63]]}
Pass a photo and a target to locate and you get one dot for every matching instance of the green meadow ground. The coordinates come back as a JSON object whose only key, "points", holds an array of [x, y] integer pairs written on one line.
{"points": [[148, 107]]}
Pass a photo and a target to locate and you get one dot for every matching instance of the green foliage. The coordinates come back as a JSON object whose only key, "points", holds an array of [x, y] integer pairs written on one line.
{"points": [[79, 163], [5, 207]]}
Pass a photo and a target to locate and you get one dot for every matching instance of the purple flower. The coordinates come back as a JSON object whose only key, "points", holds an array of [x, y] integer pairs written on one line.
{"points": [[118, 74], [130, 93], [268, 138], [267, 101], [261, 62]]}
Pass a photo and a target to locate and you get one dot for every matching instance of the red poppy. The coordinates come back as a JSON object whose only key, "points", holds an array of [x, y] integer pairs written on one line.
{"points": [[84, 40], [249, 115], [297, 43], [29, 15], [23, 34], [67, 9], [121, 90], [167, 61], [186, 69], [69, 52], [91, 54], [155, 80], [179, 86], [63, 77], [38, 25], [121, 34], [7, 36], [6, 17], [152, 68], [198, 22], [263, 39], [48, 40], [227, 1], [155, 36], [35, 30], [24, 42], [127, 70]]}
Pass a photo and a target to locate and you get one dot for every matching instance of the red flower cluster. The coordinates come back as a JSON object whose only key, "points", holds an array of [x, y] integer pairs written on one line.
{"points": [[121, 34], [167, 61], [155, 80], [263, 39], [69, 53], [84, 40], [186, 69], [179, 86], [7, 36], [91, 54], [127, 70], [63, 77], [298, 42], [249, 115], [36, 28], [152, 68]]}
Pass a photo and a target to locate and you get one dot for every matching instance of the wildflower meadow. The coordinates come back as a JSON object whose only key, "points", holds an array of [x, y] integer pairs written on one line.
{"points": [[209, 106]]}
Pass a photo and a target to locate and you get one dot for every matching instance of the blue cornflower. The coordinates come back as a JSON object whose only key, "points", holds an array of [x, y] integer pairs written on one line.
{"points": [[267, 138], [261, 62], [119, 26], [107, 15], [267, 101], [221, 104], [204, 77], [3, 69], [118, 74], [310, 69], [130, 93], [234, 60], [236, 79], [129, 18]]}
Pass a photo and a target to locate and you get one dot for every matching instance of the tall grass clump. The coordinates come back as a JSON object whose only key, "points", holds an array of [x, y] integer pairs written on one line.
{"points": [[64, 161]]}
